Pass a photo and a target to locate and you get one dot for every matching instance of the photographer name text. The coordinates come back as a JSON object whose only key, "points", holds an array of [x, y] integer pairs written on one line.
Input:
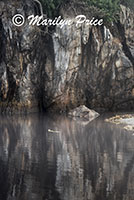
{"points": [[19, 20]]}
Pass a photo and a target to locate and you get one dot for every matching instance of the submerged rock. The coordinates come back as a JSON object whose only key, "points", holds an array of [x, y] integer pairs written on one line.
{"points": [[84, 113], [127, 121]]}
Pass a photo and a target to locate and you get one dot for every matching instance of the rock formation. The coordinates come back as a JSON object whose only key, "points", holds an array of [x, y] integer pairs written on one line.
{"points": [[71, 66], [84, 113]]}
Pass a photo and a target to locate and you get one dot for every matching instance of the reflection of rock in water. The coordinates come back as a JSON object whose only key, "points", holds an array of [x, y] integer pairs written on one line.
{"points": [[21, 152], [104, 158], [92, 162], [70, 173]]}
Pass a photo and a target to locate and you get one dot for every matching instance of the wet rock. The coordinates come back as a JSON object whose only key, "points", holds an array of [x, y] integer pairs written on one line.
{"points": [[129, 127], [127, 121], [82, 112]]}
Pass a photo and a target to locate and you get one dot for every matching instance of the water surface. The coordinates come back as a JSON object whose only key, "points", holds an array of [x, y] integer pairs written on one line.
{"points": [[78, 161]]}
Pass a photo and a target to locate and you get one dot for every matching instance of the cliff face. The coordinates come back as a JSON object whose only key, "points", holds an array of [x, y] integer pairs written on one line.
{"points": [[72, 66], [94, 66], [21, 59]]}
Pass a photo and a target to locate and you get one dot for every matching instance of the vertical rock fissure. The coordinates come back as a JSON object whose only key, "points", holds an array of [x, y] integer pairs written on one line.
{"points": [[2, 41], [124, 43]]}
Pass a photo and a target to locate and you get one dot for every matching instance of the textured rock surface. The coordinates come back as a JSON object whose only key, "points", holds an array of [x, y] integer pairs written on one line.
{"points": [[86, 65], [126, 121], [83, 112], [20, 66], [93, 66]]}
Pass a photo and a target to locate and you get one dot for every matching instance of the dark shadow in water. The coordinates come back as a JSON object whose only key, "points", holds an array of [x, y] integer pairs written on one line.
{"points": [[77, 161]]}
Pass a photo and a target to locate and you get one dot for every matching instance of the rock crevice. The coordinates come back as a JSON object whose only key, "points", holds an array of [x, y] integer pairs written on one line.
{"points": [[73, 66]]}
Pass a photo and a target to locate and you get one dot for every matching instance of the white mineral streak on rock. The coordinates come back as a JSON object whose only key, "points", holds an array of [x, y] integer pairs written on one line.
{"points": [[113, 72], [10, 33], [85, 33], [107, 34], [4, 84], [67, 48]]}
